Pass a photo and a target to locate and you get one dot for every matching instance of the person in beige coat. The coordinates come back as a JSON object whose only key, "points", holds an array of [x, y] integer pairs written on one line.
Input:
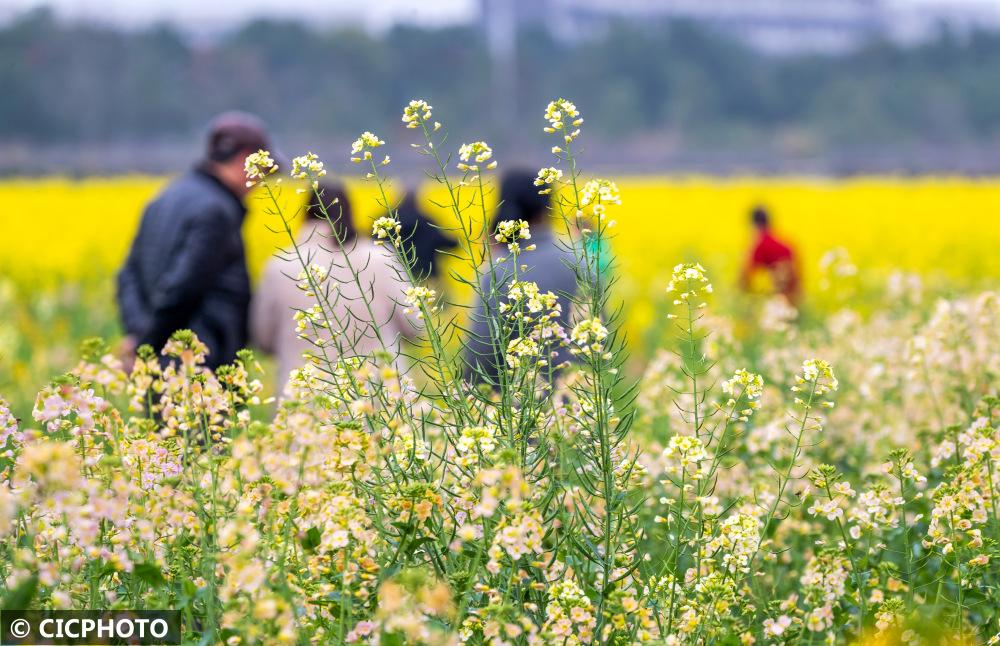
{"points": [[362, 293]]}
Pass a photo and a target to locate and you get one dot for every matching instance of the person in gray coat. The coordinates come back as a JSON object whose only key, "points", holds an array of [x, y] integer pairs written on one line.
{"points": [[549, 265], [187, 266]]}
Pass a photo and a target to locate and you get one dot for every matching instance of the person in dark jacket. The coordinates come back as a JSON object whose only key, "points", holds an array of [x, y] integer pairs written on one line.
{"points": [[427, 240], [187, 266], [549, 265]]}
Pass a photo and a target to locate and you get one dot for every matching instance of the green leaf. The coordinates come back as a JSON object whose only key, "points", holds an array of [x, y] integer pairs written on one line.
{"points": [[20, 597], [310, 541], [393, 639], [150, 574], [414, 545]]}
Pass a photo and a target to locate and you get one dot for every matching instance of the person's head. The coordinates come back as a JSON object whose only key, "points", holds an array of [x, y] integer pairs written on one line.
{"points": [[332, 203], [519, 200], [231, 137], [760, 217]]}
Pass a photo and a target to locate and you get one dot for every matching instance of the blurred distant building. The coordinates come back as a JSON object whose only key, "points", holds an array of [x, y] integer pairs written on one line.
{"points": [[772, 26], [917, 20], [775, 26]]}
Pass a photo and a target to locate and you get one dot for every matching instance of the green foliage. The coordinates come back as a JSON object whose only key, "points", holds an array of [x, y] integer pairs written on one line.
{"points": [[20, 596], [70, 83]]}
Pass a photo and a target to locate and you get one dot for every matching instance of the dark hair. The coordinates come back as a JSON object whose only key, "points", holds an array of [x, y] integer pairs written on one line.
{"points": [[333, 197], [760, 217], [519, 199], [232, 133]]}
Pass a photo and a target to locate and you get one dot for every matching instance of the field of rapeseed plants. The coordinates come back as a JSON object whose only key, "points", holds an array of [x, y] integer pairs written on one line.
{"points": [[853, 235], [826, 483]]}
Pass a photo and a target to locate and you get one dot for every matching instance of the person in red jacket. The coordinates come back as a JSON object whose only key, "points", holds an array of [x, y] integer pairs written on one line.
{"points": [[774, 256]]}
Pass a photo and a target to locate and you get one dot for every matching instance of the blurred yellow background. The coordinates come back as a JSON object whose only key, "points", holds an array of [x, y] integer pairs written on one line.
{"points": [[65, 239], [61, 229]]}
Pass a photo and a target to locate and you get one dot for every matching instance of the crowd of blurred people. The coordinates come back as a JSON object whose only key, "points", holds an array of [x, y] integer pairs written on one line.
{"points": [[186, 268]]}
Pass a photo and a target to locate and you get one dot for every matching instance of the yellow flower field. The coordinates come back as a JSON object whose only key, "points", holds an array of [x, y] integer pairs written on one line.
{"points": [[58, 229], [60, 233]]}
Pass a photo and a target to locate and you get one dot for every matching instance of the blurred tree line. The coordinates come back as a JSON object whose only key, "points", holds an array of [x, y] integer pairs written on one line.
{"points": [[68, 82]]}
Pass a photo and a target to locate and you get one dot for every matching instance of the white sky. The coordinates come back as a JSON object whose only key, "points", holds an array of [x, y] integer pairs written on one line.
{"points": [[372, 13], [375, 14]]}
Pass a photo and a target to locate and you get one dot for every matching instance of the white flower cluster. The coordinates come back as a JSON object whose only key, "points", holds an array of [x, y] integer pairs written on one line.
{"points": [[384, 228], [311, 278], [597, 194], [825, 577], [745, 383], [688, 281], [151, 460], [521, 349], [558, 113], [518, 537], [829, 508], [258, 166], [476, 441], [547, 177], [417, 296], [742, 384], [906, 469], [889, 614], [8, 427], [956, 512], [589, 334], [364, 145], [477, 152], [507, 485], [538, 312], [408, 448], [837, 493], [685, 451], [510, 231], [569, 615], [308, 167], [737, 538], [777, 627], [528, 294], [874, 509], [978, 442], [311, 317], [817, 377], [416, 112]]}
